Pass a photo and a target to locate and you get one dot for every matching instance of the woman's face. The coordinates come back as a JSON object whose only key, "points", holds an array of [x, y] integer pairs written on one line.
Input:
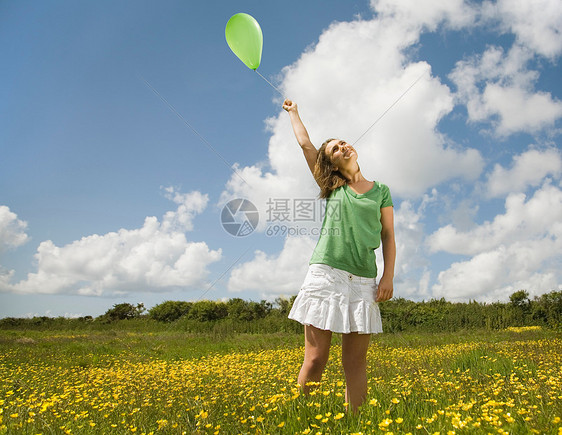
{"points": [[340, 153]]}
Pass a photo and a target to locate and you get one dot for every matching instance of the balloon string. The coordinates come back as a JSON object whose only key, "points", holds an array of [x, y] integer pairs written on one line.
{"points": [[390, 107], [269, 83]]}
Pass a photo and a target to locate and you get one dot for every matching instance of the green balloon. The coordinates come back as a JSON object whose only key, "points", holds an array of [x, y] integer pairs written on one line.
{"points": [[245, 39]]}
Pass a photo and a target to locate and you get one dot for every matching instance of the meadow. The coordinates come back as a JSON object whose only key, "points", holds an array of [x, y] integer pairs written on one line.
{"points": [[125, 379]]}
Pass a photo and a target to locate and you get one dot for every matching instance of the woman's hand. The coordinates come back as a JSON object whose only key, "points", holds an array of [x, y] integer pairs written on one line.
{"points": [[289, 105], [386, 289]]}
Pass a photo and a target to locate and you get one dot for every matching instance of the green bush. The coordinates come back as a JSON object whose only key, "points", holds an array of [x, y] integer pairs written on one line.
{"points": [[122, 312], [206, 311], [239, 316], [170, 311]]}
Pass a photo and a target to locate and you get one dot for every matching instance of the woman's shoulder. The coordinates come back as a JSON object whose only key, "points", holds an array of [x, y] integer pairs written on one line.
{"points": [[383, 191], [380, 184], [339, 189]]}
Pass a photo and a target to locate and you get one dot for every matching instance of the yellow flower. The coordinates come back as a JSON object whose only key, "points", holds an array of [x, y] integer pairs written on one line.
{"points": [[338, 416], [399, 420], [395, 400], [318, 417], [281, 424], [385, 422]]}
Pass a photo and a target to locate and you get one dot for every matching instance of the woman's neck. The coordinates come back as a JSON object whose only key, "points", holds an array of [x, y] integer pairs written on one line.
{"points": [[353, 176]]}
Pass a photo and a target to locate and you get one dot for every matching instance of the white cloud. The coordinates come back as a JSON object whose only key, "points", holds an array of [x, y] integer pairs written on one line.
{"points": [[536, 23], [275, 275], [155, 257], [12, 229], [521, 110], [427, 13], [494, 275], [499, 88], [5, 279], [189, 205], [528, 169], [520, 248], [522, 220], [411, 273]]}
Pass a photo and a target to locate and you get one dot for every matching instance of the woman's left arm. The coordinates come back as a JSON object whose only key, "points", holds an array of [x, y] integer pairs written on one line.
{"points": [[386, 286]]}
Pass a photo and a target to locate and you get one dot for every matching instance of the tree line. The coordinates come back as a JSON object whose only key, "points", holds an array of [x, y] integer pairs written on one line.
{"points": [[238, 315]]}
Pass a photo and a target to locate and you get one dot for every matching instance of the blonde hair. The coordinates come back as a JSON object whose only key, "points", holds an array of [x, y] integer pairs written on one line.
{"points": [[326, 176]]}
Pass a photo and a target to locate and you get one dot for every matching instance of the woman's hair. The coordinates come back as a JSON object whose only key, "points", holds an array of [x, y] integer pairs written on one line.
{"points": [[327, 178]]}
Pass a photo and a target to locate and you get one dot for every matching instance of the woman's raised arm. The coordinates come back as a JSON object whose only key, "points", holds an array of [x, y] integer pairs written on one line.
{"points": [[301, 134]]}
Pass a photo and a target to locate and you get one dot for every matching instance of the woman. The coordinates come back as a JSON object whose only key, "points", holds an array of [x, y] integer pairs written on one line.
{"points": [[339, 293]]}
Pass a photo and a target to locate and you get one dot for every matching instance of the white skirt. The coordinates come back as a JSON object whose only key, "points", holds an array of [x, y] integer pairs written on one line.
{"points": [[338, 301]]}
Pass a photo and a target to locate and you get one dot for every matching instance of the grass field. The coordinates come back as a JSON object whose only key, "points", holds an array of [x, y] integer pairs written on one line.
{"points": [[130, 381]]}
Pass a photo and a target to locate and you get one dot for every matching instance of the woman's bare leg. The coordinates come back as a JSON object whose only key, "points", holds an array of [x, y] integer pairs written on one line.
{"points": [[354, 358], [316, 351]]}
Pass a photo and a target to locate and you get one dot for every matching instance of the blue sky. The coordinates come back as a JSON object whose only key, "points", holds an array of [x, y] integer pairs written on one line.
{"points": [[107, 196]]}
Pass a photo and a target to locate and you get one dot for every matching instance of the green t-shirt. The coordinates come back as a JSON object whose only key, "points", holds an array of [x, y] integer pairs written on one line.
{"points": [[351, 230]]}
